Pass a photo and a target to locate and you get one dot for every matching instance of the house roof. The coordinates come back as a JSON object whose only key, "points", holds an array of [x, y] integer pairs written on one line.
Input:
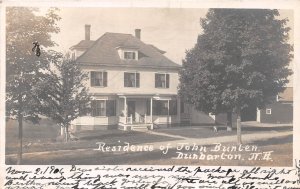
{"points": [[286, 95], [104, 51], [83, 44], [159, 50]]}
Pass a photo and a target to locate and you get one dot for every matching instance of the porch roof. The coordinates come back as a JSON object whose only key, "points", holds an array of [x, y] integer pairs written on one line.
{"points": [[154, 96]]}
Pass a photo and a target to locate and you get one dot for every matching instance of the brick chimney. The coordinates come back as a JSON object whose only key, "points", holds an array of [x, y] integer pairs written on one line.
{"points": [[87, 32], [138, 33]]}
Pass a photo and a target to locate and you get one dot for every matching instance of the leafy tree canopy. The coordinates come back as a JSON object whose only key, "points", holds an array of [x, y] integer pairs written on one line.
{"points": [[65, 94], [24, 70], [241, 57]]}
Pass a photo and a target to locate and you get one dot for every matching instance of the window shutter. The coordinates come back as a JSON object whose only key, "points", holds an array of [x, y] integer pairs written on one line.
{"points": [[156, 80], [137, 77], [93, 106], [125, 80], [167, 80], [104, 79], [110, 108], [114, 107], [92, 78], [148, 104]]}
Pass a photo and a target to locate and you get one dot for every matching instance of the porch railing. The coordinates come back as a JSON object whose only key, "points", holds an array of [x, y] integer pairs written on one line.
{"points": [[122, 119], [129, 119], [126, 119]]}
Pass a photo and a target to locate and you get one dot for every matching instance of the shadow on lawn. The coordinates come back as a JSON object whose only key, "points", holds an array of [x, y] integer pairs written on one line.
{"points": [[88, 135], [275, 128], [274, 141], [257, 128]]}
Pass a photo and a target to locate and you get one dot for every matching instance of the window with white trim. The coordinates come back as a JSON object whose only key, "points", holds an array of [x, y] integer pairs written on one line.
{"points": [[162, 80], [269, 111], [98, 108], [130, 55], [98, 79], [103, 108], [131, 79]]}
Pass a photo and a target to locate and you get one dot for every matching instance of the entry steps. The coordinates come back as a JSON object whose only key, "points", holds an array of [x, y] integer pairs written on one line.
{"points": [[135, 127]]}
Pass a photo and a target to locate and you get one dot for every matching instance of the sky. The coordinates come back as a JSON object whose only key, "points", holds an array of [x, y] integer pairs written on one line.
{"points": [[173, 30]]}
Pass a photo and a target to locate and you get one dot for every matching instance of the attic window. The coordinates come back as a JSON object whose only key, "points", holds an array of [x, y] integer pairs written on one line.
{"points": [[129, 55], [269, 111]]}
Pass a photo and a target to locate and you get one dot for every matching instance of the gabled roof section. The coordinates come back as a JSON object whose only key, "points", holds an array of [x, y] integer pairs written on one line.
{"points": [[286, 95], [104, 51], [84, 44]]}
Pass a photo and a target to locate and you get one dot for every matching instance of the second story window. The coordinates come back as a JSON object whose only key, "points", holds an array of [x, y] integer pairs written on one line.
{"points": [[162, 80], [129, 55], [98, 79], [131, 79]]}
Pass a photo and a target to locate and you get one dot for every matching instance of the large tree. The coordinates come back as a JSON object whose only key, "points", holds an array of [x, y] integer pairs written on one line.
{"points": [[65, 94], [24, 69], [241, 58]]}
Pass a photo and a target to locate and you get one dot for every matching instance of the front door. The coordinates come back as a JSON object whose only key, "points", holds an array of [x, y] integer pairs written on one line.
{"points": [[131, 109]]}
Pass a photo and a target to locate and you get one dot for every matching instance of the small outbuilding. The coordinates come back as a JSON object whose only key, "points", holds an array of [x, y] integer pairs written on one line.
{"points": [[281, 111]]}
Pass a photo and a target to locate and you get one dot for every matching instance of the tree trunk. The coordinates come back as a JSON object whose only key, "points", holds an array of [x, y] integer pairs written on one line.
{"points": [[20, 120], [229, 121], [67, 133], [62, 131], [238, 125]]}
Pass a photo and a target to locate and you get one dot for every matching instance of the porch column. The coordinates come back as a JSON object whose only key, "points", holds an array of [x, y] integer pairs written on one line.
{"points": [[125, 109], [151, 110], [168, 118], [178, 109]]}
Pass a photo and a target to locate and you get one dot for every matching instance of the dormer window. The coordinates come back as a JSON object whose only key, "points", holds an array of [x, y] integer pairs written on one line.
{"points": [[129, 55]]}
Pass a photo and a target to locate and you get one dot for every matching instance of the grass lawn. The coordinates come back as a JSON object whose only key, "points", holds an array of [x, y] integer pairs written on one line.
{"points": [[43, 137], [282, 156]]}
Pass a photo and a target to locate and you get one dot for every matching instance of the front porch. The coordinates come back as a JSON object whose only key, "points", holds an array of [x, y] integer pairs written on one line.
{"points": [[141, 113]]}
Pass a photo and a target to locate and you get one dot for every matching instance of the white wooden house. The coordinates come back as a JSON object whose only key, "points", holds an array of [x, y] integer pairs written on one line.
{"points": [[133, 85]]}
